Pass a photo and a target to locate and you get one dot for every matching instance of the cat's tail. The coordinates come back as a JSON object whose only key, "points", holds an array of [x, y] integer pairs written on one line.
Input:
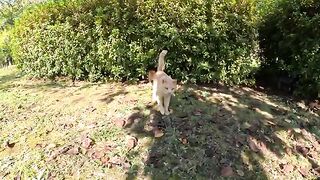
{"points": [[161, 64]]}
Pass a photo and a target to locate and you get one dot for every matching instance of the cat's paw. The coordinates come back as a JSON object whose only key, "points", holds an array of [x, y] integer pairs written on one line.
{"points": [[162, 111], [168, 112]]}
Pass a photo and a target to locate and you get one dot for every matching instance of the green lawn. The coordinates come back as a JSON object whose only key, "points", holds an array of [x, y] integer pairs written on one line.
{"points": [[57, 130]]}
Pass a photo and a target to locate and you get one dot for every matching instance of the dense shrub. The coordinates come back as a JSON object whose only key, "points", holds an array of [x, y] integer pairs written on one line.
{"points": [[5, 52], [290, 40], [120, 39]]}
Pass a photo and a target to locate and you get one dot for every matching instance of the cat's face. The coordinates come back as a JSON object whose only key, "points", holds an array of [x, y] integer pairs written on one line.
{"points": [[169, 85]]}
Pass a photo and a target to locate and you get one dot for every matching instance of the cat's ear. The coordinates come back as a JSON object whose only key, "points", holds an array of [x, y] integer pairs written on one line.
{"points": [[174, 82]]}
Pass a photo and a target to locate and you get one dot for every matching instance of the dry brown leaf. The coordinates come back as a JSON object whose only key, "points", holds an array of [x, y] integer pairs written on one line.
{"points": [[18, 177], [73, 151], [86, 142], [197, 112], [39, 145], [105, 160], [270, 122], [288, 151], [286, 168], [107, 148], [120, 123], [316, 145], [10, 145], [51, 176], [115, 160], [157, 133], [262, 146], [62, 150], [90, 152], [303, 171], [227, 171], [240, 173], [97, 154], [303, 150], [132, 142], [252, 144], [184, 140], [313, 154], [50, 146]]}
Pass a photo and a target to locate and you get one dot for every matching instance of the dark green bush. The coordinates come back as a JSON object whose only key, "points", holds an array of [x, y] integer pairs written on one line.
{"points": [[120, 39], [290, 40], [4, 48]]}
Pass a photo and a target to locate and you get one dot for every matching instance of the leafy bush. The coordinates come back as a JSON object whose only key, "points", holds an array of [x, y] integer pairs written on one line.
{"points": [[290, 40], [4, 48], [9, 11], [207, 40]]}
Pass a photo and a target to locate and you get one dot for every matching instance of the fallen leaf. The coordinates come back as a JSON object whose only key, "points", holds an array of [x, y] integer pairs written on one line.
{"points": [[262, 146], [126, 165], [58, 152], [303, 171], [10, 145], [197, 112], [286, 168], [51, 176], [90, 152], [18, 177], [86, 142], [50, 146], [316, 145], [158, 133], [270, 122], [184, 140], [120, 123], [303, 150], [108, 148], [39, 145], [132, 142], [97, 154], [105, 160], [115, 160], [92, 125], [288, 151], [240, 173], [227, 171], [49, 130], [73, 151], [317, 170], [313, 154], [252, 144]]}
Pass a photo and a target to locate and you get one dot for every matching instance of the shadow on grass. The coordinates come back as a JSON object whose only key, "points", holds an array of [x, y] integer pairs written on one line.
{"points": [[9, 77], [207, 133]]}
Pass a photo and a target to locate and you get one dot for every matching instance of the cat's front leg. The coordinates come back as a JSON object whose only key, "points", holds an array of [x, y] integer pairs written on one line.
{"points": [[160, 104], [166, 104], [154, 93]]}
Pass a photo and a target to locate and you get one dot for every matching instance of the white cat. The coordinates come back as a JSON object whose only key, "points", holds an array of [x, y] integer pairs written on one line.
{"points": [[163, 85]]}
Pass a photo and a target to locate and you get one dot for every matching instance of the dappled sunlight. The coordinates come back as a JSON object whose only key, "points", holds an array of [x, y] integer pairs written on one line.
{"points": [[211, 128]]}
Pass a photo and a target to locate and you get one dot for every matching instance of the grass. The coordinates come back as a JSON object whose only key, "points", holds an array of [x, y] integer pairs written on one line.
{"points": [[54, 130]]}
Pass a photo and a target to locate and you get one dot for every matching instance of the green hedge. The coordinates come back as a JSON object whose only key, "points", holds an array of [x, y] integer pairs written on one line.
{"points": [[4, 47], [120, 39], [290, 41]]}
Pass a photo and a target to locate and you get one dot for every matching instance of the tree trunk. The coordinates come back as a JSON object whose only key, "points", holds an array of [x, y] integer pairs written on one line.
{"points": [[9, 60]]}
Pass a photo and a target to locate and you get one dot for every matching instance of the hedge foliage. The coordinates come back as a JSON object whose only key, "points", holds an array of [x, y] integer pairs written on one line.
{"points": [[290, 42], [4, 47], [120, 39]]}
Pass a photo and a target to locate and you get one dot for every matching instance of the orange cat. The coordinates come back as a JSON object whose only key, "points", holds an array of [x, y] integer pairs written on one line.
{"points": [[163, 85]]}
